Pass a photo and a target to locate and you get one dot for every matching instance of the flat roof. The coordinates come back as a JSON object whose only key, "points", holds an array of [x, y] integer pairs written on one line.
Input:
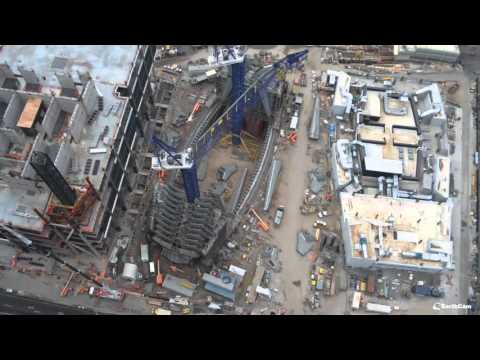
{"points": [[383, 165], [397, 133], [405, 137], [373, 105], [408, 227], [106, 63], [342, 87], [371, 133], [409, 160]]}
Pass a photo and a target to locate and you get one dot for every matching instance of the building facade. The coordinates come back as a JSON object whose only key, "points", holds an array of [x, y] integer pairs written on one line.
{"points": [[82, 109]]}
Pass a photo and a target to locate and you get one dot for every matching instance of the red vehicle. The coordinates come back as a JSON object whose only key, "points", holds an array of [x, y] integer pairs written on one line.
{"points": [[106, 293]]}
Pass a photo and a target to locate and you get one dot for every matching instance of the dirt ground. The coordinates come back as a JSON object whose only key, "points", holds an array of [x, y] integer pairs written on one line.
{"points": [[296, 161]]}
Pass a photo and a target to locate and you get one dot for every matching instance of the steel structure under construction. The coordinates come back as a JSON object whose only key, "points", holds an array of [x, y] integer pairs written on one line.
{"points": [[188, 226], [70, 117]]}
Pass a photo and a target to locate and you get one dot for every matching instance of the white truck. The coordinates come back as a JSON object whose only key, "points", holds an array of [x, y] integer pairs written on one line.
{"points": [[279, 215], [379, 308]]}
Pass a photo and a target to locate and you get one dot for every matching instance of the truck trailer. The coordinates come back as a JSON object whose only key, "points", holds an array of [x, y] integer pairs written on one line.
{"points": [[379, 308]]}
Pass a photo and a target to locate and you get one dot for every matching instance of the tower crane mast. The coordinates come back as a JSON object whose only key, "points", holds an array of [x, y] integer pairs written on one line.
{"points": [[167, 158]]}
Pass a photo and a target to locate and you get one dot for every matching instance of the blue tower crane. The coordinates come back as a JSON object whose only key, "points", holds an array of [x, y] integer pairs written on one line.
{"points": [[167, 158]]}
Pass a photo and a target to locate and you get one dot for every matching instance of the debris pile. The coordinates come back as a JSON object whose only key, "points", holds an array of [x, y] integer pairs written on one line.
{"points": [[316, 181], [305, 242]]}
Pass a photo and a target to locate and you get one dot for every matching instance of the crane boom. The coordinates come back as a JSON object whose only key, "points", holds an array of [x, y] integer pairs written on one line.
{"points": [[231, 120], [250, 97]]}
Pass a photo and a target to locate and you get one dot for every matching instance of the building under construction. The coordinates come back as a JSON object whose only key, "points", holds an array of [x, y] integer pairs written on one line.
{"points": [[394, 191], [186, 230], [70, 118]]}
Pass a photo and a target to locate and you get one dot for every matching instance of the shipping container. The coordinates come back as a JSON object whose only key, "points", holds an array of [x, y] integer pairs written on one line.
{"points": [[357, 296], [151, 267], [378, 308], [294, 123], [144, 253]]}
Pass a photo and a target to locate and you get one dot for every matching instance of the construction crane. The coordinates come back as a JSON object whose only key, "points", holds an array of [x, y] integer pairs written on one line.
{"points": [[167, 158], [234, 56]]}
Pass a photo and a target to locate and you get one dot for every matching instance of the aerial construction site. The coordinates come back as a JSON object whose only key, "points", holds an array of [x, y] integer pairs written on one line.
{"points": [[238, 179]]}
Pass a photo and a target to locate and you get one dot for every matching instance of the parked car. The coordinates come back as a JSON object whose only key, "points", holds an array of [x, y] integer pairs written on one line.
{"points": [[279, 215]]}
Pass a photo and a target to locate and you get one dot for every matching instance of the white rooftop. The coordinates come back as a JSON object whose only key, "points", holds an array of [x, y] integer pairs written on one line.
{"points": [[110, 64], [383, 165]]}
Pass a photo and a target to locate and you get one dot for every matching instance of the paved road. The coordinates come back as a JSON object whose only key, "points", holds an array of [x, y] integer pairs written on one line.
{"points": [[12, 304], [461, 166]]}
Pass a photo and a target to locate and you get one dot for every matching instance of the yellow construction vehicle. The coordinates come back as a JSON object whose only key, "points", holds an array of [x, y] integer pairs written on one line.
{"points": [[160, 311]]}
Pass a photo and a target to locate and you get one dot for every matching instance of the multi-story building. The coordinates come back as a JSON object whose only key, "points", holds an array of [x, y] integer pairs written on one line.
{"points": [[396, 211], [444, 53], [70, 118]]}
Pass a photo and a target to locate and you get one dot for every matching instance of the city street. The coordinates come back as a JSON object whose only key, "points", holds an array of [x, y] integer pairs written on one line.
{"points": [[12, 304]]}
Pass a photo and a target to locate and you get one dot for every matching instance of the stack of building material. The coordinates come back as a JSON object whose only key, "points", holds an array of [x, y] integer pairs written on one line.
{"points": [[314, 132], [224, 172], [305, 242], [316, 181], [272, 182], [178, 285]]}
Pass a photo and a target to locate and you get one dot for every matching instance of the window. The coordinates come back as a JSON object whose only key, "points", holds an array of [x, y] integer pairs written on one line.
{"points": [[88, 166], [96, 167], [131, 129], [116, 174], [123, 153], [122, 91]]}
